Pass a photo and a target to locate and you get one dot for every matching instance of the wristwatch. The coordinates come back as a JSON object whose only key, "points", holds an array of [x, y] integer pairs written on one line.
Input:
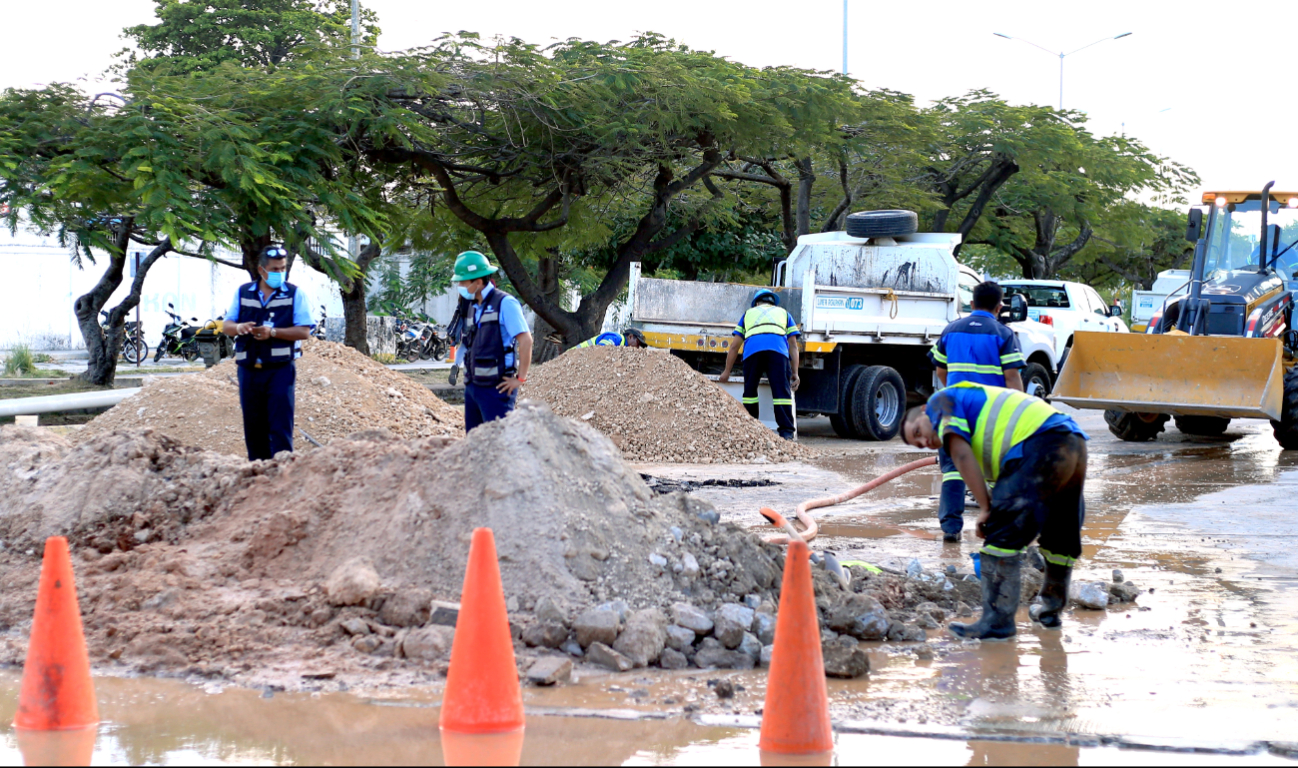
{"points": [[272, 331]]}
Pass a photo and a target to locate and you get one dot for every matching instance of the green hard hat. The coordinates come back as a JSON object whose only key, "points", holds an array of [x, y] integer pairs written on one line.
{"points": [[471, 265]]}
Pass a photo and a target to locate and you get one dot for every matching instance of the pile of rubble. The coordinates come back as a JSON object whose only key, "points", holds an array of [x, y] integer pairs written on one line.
{"points": [[339, 391], [655, 408]]}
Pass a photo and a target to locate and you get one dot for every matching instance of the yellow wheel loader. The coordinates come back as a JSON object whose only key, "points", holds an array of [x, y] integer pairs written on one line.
{"points": [[1224, 350]]}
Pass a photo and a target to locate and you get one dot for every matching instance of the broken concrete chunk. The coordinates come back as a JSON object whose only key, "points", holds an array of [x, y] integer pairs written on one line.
{"points": [[355, 626], [444, 614], [751, 646], [601, 654], [407, 608], [1089, 594], [844, 658], [596, 626], [731, 622], [764, 627], [644, 637], [860, 616], [673, 659], [545, 634], [1123, 592], [551, 610], [352, 583], [680, 638], [429, 643], [549, 670], [686, 615]]}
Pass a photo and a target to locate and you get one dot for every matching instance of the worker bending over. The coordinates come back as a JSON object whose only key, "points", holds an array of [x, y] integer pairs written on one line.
{"points": [[768, 338], [631, 337], [977, 348], [1036, 456]]}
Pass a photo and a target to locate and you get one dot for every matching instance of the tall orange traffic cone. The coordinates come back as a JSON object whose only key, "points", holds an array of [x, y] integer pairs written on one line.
{"points": [[57, 747], [57, 692], [482, 691], [482, 748], [450, 357], [795, 720]]}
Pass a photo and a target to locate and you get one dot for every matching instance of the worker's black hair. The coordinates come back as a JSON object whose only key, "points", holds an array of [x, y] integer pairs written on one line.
{"points": [[986, 296], [271, 253], [917, 412]]}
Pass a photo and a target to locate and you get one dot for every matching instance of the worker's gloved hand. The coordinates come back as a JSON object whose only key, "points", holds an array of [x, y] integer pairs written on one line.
{"points": [[455, 374]]}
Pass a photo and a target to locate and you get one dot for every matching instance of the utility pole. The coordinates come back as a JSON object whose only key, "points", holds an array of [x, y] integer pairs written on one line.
{"points": [[1052, 53], [353, 244], [845, 37]]}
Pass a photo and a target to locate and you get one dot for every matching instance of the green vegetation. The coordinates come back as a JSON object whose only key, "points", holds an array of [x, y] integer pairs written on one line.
{"points": [[20, 362]]}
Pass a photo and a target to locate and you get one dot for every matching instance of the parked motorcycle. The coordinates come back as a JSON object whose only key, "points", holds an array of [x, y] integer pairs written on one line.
{"points": [[409, 342], [433, 344], [134, 350], [318, 332], [177, 338], [212, 343]]}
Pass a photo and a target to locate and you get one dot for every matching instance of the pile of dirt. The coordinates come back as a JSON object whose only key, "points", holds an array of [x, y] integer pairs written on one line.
{"points": [[339, 392], [655, 408]]}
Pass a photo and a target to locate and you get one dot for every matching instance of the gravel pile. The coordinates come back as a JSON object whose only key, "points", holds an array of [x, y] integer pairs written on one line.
{"points": [[655, 408], [339, 392]]}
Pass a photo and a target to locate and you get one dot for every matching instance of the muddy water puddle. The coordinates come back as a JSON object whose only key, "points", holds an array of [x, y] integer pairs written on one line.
{"points": [[160, 722]]}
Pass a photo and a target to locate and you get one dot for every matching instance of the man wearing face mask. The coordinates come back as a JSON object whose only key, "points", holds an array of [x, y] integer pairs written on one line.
{"points": [[496, 343], [269, 320]]}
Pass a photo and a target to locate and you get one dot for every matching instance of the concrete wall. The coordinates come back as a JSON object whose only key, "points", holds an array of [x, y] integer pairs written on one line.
{"points": [[41, 283]]}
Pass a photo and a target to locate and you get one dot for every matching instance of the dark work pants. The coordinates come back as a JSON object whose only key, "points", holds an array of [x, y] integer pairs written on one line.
{"points": [[950, 507], [778, 372], [1041, 494], [483, 404], [267, 398]]}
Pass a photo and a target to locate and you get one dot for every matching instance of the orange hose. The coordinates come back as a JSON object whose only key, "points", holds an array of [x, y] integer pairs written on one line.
{"points": [[809, 523]]}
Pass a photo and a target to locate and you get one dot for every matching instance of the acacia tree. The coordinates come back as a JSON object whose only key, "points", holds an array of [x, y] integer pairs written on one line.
{"points": [[533, 151]]}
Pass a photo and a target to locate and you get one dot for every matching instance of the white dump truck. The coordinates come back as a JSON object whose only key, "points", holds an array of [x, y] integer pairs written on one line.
{"points": [[869, 311], [1170, 284]]}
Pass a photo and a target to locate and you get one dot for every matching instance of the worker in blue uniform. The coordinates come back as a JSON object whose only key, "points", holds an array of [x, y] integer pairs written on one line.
{"points": [[1036, 456], [631, 337], [980, 349], [496, 343], [269, 320], [768, 338]]}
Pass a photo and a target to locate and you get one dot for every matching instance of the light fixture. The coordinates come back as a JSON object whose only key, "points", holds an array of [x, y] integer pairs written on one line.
{"points": [[1293, 202], [1221, 201]]}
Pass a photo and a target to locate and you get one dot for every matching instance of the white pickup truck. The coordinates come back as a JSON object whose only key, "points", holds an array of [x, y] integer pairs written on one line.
{"points": [[1067, 307], [869, 311]]}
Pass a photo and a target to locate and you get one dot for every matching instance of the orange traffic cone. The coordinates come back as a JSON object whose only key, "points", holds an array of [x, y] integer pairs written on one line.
{"points": [[450, 357], [57, 692], [482, 692], [795, 720], [482, 748], [57, 747]]}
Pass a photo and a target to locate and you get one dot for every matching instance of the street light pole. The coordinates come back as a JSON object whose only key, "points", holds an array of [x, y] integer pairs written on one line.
{"points": [[356, 29], [845, 37], [1060, 55]]}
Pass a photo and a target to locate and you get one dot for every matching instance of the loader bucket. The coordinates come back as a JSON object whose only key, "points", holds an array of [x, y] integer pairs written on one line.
{"points": [[1226, 376]]}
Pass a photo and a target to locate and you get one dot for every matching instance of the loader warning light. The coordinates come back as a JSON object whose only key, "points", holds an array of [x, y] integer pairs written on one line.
{"points": [[1293, 202], [1221, 202]]}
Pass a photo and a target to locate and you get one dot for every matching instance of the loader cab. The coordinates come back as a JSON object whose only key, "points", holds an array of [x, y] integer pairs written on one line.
{"points": [[1234, 242]]}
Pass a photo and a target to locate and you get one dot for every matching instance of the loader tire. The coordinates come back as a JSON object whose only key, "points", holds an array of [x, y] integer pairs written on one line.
{"points": [[1036, 380], [842, 421], [1202, 426], [878, 403], [1286, 430], [1132, 428], [868, 224]]}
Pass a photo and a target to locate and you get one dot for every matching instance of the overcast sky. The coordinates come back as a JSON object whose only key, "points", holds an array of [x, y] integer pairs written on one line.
{"points": [[1204, 84]]}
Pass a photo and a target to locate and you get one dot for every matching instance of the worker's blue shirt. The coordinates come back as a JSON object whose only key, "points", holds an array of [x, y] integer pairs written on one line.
{"points": [[512, 322], [977, 348], [964, 405], [767, 342], [301, 310]]}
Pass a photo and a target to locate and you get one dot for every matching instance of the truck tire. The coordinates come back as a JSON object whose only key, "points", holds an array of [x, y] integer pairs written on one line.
{"points": [[878, 403], [868, 224], [842, 421], [1036, 380], [1132, 428], [1203, 426], [1286, 430]]}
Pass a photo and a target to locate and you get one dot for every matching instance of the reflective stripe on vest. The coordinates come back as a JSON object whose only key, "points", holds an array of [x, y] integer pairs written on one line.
{"points": [[610, 339], [766, 319], [1007, 418]]}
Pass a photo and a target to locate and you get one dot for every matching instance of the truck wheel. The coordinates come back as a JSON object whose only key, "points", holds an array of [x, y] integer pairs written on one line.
{"points": [[882, 224], [1203, 426], [842, 421], [1286, 430], [1036, 380], [878, 403], [1135, 427]]}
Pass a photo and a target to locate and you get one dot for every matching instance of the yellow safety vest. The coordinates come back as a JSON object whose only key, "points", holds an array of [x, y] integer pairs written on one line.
{"points": [[604, 340], [766, 318], [1007, 418]]}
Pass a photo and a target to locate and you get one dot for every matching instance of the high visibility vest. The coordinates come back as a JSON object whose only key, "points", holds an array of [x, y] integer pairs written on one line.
{"points": [[278, 312], [609, 339], [766, 318], [1007, 418]]}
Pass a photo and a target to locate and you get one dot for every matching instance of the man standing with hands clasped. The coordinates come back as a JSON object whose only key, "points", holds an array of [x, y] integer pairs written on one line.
{"points": [[269, 320], [496, 346]]}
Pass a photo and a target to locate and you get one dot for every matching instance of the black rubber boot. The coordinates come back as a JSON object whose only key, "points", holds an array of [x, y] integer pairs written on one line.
{"points": [[1002, 583], [1054, 596]]}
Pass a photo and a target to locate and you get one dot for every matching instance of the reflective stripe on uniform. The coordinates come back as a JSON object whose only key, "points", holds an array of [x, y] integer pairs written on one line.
{"points": [[994, 370], [1013, 357], [281, 351], [998, 551], [1054, 559], [948, 477], [1007, 419], [938, 356], [765, 319], [781, 401], [240, 356], [246, 302], [952, 421], [484, 372], [750, 401], [280, 303]]}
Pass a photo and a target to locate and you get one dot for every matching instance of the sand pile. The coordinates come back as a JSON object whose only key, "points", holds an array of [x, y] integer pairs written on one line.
{"points": [[339, 391], [655, 408]]}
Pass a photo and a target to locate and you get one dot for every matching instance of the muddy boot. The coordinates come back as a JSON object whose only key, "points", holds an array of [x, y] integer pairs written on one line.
{"points": [[1002, 583], [1054, 596]]}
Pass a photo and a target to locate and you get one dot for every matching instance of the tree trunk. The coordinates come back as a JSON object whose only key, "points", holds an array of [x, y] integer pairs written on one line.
{"points": [[102, 347], [355, 315], [806, 180], [545, 345], [251, 249]]}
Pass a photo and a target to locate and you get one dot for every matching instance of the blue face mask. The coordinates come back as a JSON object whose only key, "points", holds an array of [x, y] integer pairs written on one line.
{"points": [[465, 292], [275, 280]]}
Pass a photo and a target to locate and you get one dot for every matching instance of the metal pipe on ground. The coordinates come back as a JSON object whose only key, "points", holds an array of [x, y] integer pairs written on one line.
{"points": [[71, 402]]}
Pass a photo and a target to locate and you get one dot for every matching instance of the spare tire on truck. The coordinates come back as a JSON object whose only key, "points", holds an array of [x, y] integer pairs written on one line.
{"points": [[868, 224]]}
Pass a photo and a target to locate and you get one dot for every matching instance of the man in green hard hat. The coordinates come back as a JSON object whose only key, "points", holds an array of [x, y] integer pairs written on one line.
{"points": [[496, 343]]}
